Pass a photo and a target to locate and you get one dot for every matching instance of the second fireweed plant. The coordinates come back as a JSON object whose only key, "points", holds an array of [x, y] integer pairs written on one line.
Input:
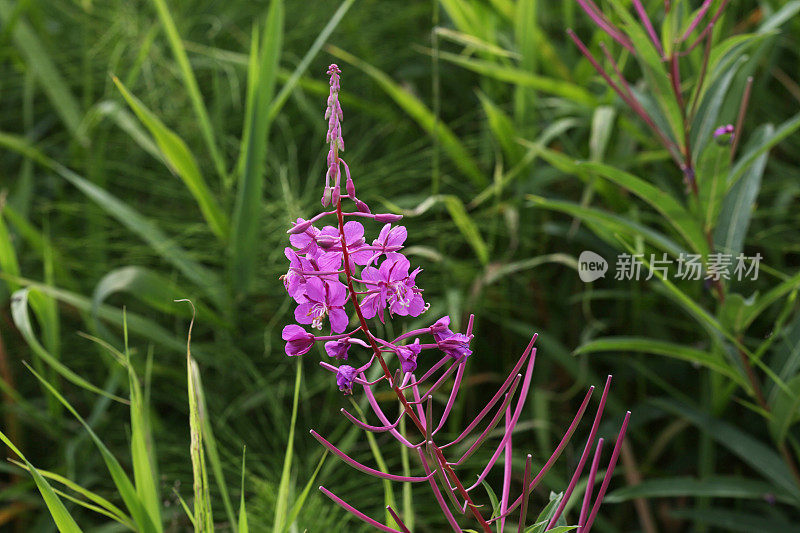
{"points": [[334, 271]]}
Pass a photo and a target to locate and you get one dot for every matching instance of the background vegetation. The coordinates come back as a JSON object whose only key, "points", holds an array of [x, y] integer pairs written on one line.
{"points": [[157, 150]]}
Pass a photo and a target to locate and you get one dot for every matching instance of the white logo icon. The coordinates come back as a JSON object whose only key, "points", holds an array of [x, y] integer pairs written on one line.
{"points": [[591, 266]]}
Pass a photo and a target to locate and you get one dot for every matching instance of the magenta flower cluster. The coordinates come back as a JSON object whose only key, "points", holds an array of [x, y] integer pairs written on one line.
{"points": [[339, 280]]}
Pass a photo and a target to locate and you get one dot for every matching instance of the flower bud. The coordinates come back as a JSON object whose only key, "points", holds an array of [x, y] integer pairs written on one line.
{"points": [[361, 206], [326, 242], [351, 188], [326, 197], [387, 217], [300, 227]]}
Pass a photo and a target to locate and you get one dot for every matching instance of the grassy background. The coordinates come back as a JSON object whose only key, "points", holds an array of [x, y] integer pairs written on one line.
{"points": [[487, 249]]}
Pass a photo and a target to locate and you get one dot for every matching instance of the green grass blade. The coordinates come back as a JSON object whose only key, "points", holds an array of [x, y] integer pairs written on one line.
{"points": [[152, 288], [145, 469], [22, 320], [610, 223], [650, 346], [128, 217], [302, 66], [523, 78], [414, 107], [242, 526], [502, 128], [753, 452], [203, 518], [262, 76], [8, 256], [138, 324], [301, 499], [125, 488], [679, 487], [190, 82], [28, 44], [181, 162], [112, 510], [659, 200], [467, 227], [282, 505], [64, 521], [210, 448]]}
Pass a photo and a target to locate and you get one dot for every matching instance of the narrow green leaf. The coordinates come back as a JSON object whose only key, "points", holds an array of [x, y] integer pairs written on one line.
{"points": [[502, 128], [22, 320], [145, 469], [64, 521], [210, 447], [123, 484], [523, 78], [708, 112], [659, 200], [128, 217], [247, 211], [294, 78], [190, 82], [152, 288], [467, 227], [203, 519], [112, 510], [180, 161], [140, 325], [785, 410], [40, 62], [282, 506], [242, 522], [753, 452], [739, 203], [681, 487], [301, 499], [728, 520], [748, 158], [610, 223], [710, 360]]}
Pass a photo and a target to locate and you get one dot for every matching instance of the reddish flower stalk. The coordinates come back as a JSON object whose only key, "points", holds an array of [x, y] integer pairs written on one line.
{"points": [[325, 280]]}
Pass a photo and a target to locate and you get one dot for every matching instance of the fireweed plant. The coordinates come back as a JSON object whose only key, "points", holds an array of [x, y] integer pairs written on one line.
{"points": [[332, 269], [684, 110]]}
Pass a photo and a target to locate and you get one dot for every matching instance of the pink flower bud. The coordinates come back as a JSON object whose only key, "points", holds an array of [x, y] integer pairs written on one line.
{"points": [[326, 197], [361, 206], [388, 217], [300, 227], [326, 242]]}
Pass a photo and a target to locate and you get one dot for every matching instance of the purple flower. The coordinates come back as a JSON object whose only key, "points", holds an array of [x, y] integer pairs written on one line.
{"points": [[408, 356], [393, 286], [322, 299], [354, 237], [390, 239], [298, 340], [338, 349], [300, 269], [456, 345], [345, 377], [305, 242]]}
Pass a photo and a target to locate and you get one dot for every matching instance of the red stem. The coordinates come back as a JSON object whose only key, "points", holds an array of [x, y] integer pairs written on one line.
{"points": [[387, 373]]}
